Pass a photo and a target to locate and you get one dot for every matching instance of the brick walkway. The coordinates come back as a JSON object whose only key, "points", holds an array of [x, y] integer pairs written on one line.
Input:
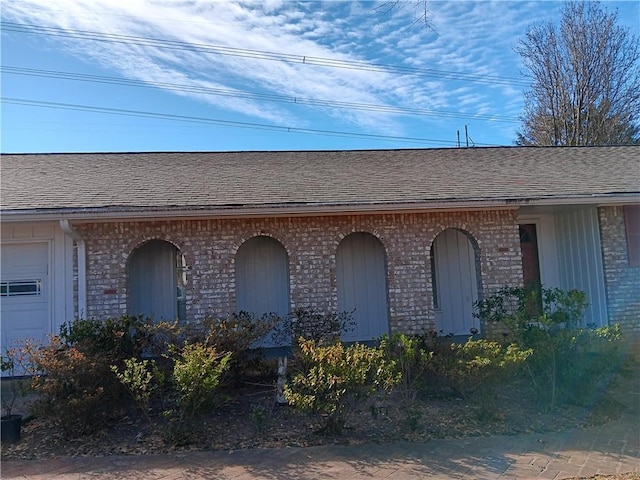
{"points": [[609, 449]]}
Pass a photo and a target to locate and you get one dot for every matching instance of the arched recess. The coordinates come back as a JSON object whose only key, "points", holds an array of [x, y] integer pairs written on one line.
{"points": [[157, 281], [456, 283], [262, 277], [361, 274]]}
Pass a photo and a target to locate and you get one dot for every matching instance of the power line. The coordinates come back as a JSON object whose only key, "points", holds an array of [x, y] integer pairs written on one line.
{"points": [[214, 121], [258, 54], [183, 88]]}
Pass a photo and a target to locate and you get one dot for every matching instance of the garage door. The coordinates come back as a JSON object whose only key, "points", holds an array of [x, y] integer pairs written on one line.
{"points": [[24, 292]]}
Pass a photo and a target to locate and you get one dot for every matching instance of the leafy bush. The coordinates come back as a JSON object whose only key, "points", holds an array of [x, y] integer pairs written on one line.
{"points": [[568, 363], [338, 379], [119, 337], [320, 327], [196, 377], [572, 365], [476, 365], [411, 359], [412, 362], [141, 378], [241, 334], [74, 373], [76, 391], [519, 308]]}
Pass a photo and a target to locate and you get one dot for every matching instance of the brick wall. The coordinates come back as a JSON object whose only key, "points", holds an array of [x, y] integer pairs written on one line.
{"points": [[622, 282], [209, 247]]}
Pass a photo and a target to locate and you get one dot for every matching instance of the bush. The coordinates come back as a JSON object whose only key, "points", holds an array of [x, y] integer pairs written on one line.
{"points": [[573, 365], [119, 338], [568, 363], [75, 373], [141, 378], [322, 328], [76, 391], [196, 377], [241, 334], [338, 379], [412, 363], [470, 369]]}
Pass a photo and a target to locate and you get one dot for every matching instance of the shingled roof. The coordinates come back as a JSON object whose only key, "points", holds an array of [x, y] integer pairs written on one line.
{"points": [[130, 184]]}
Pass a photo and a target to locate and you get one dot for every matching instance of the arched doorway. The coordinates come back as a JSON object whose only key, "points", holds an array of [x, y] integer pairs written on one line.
{"points": [[455, 283], [157, 281], [361, 275]]}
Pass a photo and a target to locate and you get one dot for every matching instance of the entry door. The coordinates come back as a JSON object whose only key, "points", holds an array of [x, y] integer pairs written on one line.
{"points": [[530, 260], [24, 292], [456, 283]]}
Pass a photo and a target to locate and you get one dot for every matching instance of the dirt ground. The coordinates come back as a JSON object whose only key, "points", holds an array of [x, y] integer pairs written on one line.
{"points": [[250, 418]]}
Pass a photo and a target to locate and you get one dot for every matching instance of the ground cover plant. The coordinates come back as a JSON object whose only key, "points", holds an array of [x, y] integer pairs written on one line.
{"points": [[160, 387]]}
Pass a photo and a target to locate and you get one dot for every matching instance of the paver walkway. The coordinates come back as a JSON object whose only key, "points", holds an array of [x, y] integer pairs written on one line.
{"points": [[608, 449]]}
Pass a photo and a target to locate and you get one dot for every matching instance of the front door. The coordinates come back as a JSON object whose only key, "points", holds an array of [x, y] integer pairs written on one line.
{"points": [[530, 260]]}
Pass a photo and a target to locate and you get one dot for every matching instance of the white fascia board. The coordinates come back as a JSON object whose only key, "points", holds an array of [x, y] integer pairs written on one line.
{"points": [[133, 213]]}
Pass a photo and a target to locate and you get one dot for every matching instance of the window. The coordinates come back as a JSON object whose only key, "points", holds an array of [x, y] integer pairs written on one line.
{"points": [[632, 226], [21, 288]]}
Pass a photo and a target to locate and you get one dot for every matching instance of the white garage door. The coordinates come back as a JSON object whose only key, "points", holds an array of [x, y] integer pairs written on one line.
{"points": [[24, 292]]}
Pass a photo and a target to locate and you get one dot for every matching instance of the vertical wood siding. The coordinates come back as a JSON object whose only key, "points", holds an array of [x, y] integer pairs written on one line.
{"points": [[362, 285], [262, 279], [580, 259], [456, 283], [152, 281]]}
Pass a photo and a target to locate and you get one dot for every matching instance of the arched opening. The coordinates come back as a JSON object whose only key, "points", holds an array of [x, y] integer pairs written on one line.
{"points": [[455, 283], [262, 278], [157, 281], [361, 274]]}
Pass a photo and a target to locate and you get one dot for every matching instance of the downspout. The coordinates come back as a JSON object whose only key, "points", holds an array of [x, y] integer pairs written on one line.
{"points": [[82, 266]]}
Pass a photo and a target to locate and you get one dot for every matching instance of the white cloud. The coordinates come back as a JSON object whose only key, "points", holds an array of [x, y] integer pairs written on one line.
{"points": [[471, 37]]}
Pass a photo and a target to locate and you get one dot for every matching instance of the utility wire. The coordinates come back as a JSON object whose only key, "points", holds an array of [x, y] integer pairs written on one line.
{"points": [[214, 121], [183, 88], [258, 54]]}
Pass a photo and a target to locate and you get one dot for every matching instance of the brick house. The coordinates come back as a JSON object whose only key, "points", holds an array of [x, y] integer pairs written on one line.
{"points": [[407, 238]]}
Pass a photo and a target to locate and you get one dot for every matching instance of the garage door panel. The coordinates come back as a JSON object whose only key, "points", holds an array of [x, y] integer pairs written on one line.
{"points": [[31, 256], [25, 301]]}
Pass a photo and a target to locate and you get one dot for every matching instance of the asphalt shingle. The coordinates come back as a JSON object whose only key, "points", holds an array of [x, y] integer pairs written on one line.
{"points": [[143, 181]]}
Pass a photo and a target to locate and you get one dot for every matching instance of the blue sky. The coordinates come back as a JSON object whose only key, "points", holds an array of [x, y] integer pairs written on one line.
{"points": [[193, 75]]}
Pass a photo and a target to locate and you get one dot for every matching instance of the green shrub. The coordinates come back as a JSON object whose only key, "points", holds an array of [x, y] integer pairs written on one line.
{"points": [[338, 379], [119, 338], [412, 362], [568, 364], [320, 327], [241, 334], [572, 365], [75, 373], [196, 377], [473, 367], [141, 378]]}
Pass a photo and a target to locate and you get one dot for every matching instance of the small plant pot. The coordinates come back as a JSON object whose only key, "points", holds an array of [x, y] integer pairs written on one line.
{"points": [[10, 428]]}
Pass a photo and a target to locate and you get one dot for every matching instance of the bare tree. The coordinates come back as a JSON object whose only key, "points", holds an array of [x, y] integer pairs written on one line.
{"points": [[585, 80]]}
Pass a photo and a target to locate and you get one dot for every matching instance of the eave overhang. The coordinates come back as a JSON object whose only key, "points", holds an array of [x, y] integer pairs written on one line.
{"points": [[132, 213]]}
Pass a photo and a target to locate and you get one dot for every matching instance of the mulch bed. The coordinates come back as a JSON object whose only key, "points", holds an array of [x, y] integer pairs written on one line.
{"points": [[251, 419]]}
